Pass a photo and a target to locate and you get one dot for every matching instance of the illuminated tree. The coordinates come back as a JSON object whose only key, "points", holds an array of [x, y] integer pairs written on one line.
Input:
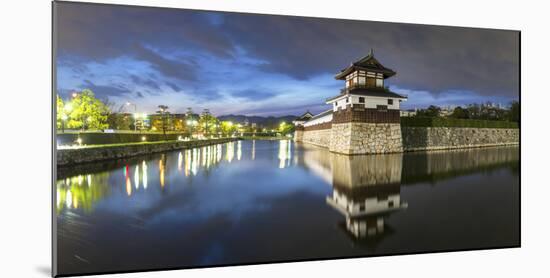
{"points": [[60, 112], [87, 111], [163, 112], [285, 128], [227, 128], [208, 124]]}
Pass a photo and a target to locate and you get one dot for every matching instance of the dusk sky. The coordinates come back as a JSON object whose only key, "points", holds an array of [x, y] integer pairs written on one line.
{"points": [[270, 65]]}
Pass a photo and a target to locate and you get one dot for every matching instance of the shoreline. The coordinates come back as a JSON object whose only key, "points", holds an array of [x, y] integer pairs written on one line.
{"points": [[66, 158]]}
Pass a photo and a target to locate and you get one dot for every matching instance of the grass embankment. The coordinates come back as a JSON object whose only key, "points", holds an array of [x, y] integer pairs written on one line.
{"points": [[136, 144], [264, 138]]}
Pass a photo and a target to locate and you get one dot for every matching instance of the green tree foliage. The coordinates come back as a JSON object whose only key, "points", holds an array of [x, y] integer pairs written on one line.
{"points": [[164, 114], [286, 128], [431, 111], [227, 128], [514, 113], [60, 111], [87, 112], [460, 113], [477, 111], [208, 124], [120, 121]]}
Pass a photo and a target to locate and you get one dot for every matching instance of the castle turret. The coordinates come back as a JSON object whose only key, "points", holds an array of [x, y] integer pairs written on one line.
{"points": [[366, 114]]}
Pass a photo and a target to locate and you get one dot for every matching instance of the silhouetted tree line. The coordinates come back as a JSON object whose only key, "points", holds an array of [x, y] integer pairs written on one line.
{"points": [[477, 112]]}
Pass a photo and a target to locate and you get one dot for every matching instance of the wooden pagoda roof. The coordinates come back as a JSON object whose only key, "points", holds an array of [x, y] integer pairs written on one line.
{"points": [[367, 63], [306, 116]]}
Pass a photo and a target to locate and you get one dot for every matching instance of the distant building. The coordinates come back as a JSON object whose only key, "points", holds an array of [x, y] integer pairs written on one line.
{"points": [[302, 119], [446, 111], [408, 113]]}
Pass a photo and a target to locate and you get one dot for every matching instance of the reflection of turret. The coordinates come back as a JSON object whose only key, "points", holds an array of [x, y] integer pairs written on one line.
{"points": [[366, 190], [366, 208]]}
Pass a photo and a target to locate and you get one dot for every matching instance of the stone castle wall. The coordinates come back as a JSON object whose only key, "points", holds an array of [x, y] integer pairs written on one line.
{"points": [[365, 138], [318, 137], [372, 138], [438, 138], [299, 134]]}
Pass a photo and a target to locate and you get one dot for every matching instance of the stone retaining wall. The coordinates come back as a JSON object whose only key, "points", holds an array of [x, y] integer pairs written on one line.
{"points": [[365, 138], [372, 138], [68, 157], [439, 138], [319, 137]]}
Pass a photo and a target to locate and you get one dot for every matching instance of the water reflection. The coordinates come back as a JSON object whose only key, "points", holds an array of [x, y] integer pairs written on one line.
{"points": [[144, 173], [357, 180], [70, 191], [285, 154], [74, 193], [260, 190], [366, 189]]}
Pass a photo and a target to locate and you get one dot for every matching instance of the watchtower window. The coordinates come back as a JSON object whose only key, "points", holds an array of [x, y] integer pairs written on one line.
{"points": [[382, 108], [371, 81], [390, 101], [361, 100]]}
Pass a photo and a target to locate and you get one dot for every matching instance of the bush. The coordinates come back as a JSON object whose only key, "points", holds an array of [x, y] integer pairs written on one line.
{"points": [[452, 122]]}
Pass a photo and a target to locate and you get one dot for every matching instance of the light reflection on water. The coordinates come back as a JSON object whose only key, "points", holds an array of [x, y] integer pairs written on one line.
{"points": [[242, 195], [70, 190]]}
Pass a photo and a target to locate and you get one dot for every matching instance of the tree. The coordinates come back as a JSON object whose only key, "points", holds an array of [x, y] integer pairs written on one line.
{"points": [[432, 111], [208, 124], [285, 128], [227, 128], [474, 111], [460, 113], [163, 112], [515, 112], [60, 113], [121, 121], [87, 111]]}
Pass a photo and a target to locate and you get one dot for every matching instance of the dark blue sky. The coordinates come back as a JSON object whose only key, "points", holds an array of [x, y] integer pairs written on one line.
{"points": [[269, 65]]}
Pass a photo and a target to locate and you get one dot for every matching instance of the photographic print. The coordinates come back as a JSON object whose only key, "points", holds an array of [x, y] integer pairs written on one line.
{"points": [[190, 138]]}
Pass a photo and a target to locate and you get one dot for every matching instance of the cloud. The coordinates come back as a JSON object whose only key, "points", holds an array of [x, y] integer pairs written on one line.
{"points": [[254, 94], [105, 91], [212, 58], [168, 67], [432, 58], [150, 83], [173, 86]]}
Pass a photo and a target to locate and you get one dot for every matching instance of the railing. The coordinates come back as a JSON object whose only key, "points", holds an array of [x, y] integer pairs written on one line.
{"points": [[371, 88], [357, 86]]}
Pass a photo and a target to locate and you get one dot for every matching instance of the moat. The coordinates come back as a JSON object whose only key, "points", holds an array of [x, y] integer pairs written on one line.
{"points": [[264, 201]]}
